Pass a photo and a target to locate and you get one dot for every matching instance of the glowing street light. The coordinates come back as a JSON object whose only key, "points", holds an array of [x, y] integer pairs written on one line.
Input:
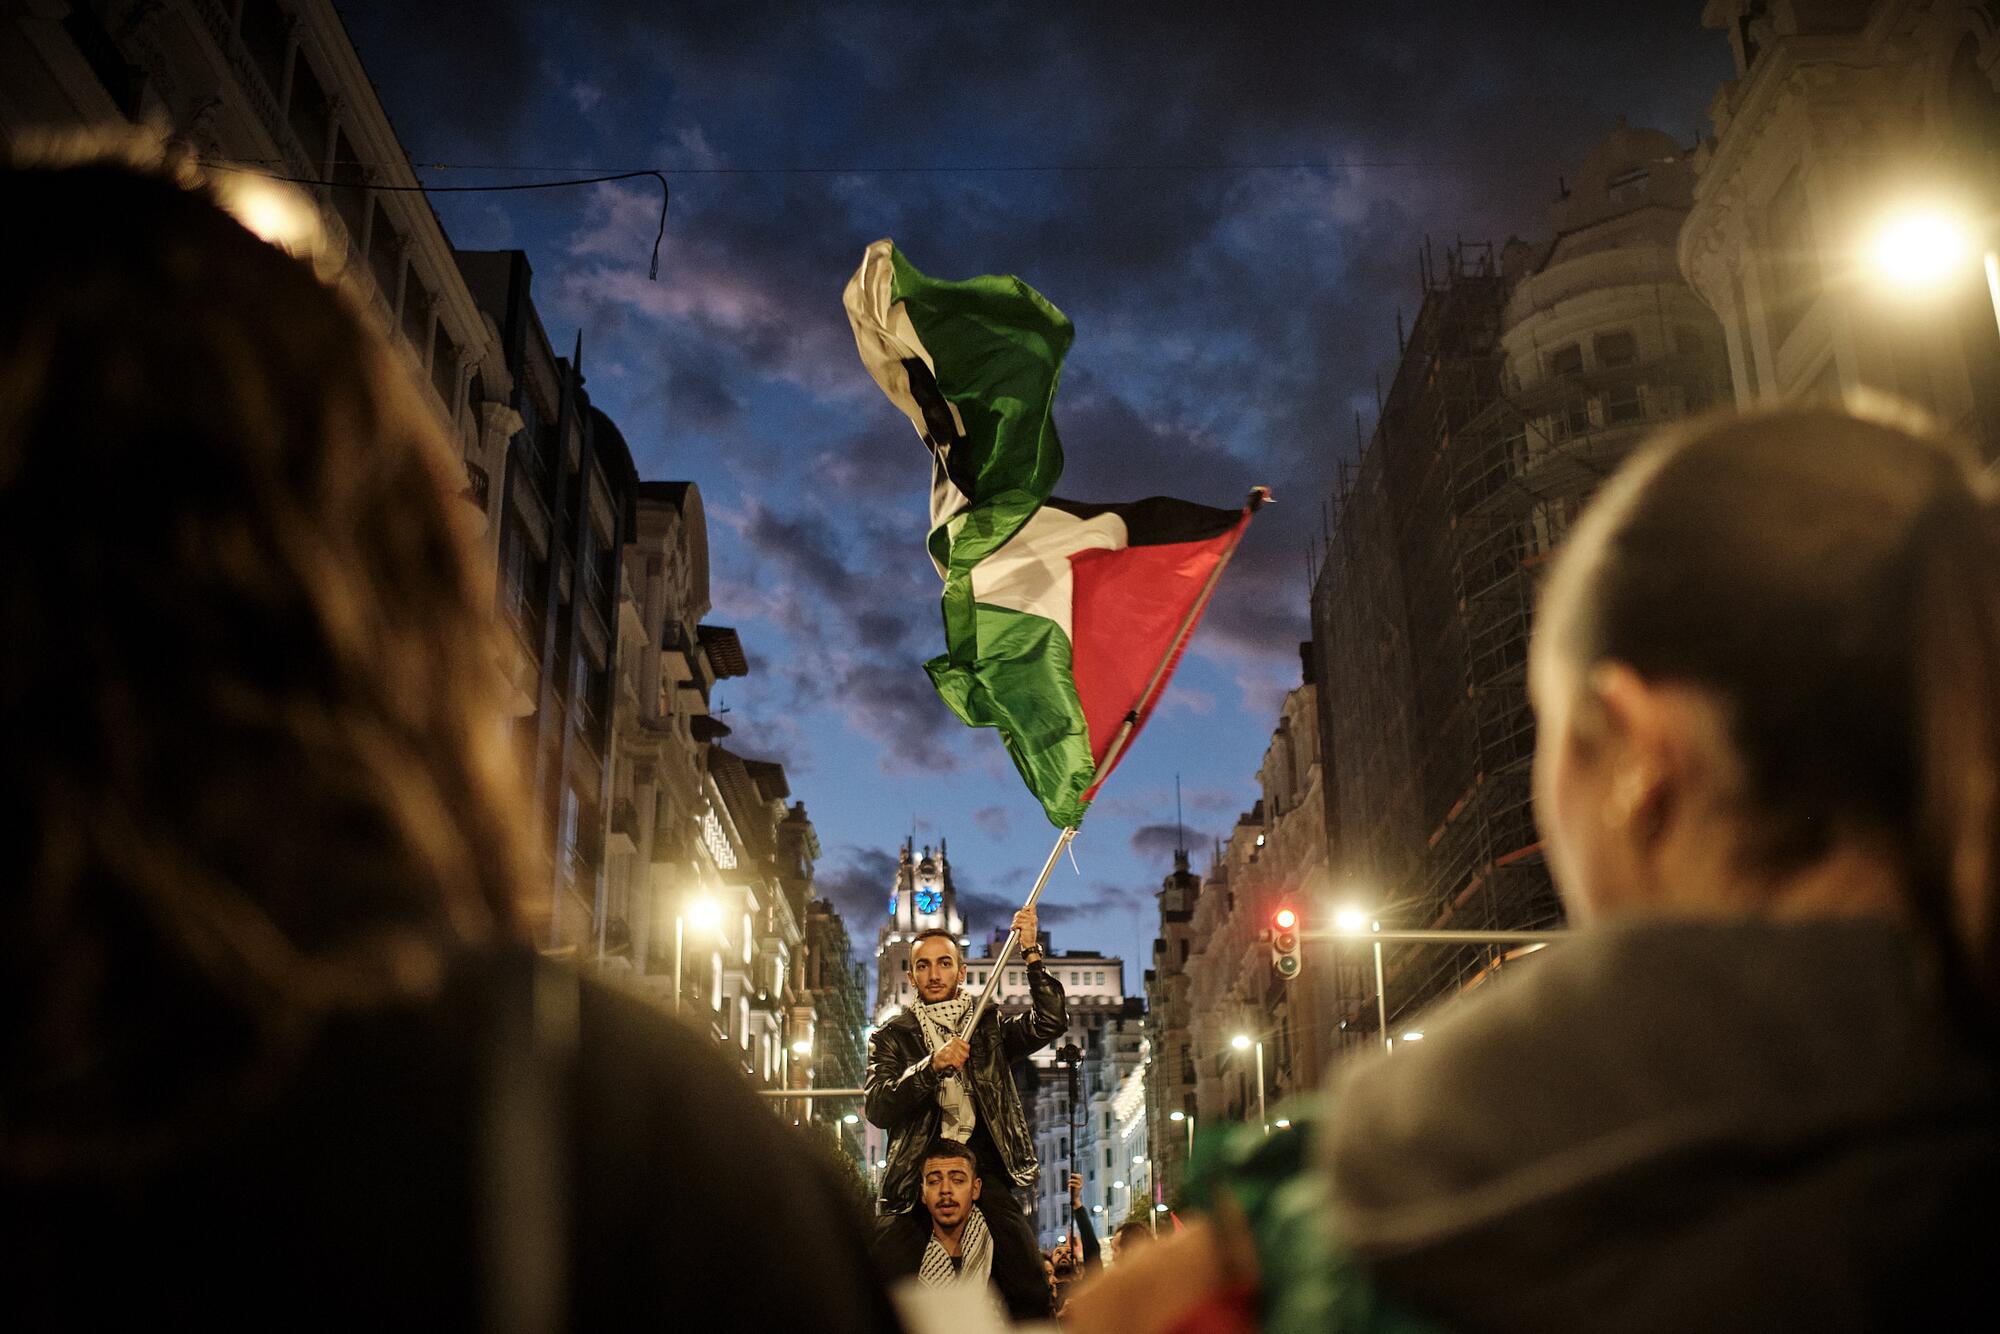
{"points": [[1414, 1035], [1242, 1042], [1176, 1116], [705, 912], [802, 1047], [851, 1119], [1919, 249], [1351, 920]]}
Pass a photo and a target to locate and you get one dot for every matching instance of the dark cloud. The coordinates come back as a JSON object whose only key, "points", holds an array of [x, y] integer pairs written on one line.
{"points": [[859, 881], [1156, 842], [700, 400], [1103, 899], [994, 822]]}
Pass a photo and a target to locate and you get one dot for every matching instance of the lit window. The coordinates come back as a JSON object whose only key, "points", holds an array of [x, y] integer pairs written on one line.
{"points": [[715, 981]]}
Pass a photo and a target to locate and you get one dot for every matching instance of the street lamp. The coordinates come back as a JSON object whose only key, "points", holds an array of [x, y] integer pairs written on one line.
{"points": [[802, 1047], [706, 914], [851, 1119], [1189, 1118], [1920, 248], [1242, 1042]]}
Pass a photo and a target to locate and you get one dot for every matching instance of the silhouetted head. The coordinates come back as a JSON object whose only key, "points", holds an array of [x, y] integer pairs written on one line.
{"points": [[258, 771]]}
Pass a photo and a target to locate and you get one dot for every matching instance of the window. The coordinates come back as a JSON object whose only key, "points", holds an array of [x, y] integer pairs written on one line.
{"points": [[264, 30], [385, 254], [1566, 360], [416, 312], [444, 368], [715, 981], [1624, 403], [1628, 185], [566, 837], [350, 190], [310, 116], [746, 937], [1792, 264], [1615, 348], [743, 1021]]}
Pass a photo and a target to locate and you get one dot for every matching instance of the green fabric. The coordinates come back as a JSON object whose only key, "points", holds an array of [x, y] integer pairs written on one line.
{"points": [[1022, 684], [1308, 1283], [997, 349]]}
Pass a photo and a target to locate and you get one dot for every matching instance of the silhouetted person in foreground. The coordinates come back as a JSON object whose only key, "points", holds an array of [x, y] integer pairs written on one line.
{"points": [[1757, 1089], [273, 1052]]}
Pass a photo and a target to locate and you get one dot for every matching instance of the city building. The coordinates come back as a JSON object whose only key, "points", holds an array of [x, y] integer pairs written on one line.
{"points": [[566, 506], [1170, 1086], [1843, 114], [839, 1044], [1523, 383], [1108, 1030]]}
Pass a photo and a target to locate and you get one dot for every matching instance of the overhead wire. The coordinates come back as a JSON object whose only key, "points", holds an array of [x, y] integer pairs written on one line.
{"points": [[666, 192]]}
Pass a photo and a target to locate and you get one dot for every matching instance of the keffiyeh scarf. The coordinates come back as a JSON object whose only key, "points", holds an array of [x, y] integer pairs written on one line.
{"points": [[940, 1024], [975, 1249]]}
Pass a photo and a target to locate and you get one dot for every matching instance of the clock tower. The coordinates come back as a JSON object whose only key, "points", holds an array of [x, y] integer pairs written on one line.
{"points": [[923, 897]]}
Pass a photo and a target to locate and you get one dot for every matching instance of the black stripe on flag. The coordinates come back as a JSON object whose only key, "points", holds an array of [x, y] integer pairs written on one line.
{"points": [[1157, 521]]}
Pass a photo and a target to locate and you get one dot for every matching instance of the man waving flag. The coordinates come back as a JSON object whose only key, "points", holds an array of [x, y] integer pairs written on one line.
{"points": [[1062, 620]]}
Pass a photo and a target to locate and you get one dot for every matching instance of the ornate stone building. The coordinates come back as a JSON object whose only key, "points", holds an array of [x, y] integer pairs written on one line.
{"points": [[1841, 112]]}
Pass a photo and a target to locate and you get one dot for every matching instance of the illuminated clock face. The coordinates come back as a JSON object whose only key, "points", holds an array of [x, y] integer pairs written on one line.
{"points": [[929, 900]]}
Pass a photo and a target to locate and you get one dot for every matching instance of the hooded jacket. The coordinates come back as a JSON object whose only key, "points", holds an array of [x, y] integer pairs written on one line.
{"points": [[1681, 1126], [901, 1090]]}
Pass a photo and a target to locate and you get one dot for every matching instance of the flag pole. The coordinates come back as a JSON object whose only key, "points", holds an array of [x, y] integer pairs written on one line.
{"points": [[1259, 497], [1007, 950]]}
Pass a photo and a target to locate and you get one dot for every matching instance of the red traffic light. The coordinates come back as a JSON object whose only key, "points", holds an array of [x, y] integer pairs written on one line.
{"points": [[1285, 957]]}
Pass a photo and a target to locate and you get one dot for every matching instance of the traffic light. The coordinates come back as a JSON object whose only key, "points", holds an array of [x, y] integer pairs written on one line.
{"points": [[1285, 956]]}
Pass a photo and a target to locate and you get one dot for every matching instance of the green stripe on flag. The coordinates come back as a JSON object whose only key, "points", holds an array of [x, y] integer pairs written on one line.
{"points": [[996, 348], [1023, 684]]}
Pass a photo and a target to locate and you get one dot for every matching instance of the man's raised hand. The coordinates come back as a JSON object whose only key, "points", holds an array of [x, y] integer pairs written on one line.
{"points": [[1024, 925], [951, 1055]]}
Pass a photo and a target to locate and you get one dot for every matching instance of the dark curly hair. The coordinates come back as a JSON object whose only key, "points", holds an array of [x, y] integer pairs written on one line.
{"points": [[256, 768]]}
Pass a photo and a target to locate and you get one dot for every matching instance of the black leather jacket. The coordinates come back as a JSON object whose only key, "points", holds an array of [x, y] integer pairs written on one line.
{"points": [[902, 1086]]}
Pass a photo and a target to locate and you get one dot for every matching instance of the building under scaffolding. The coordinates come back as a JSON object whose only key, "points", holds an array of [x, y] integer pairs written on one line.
{"points": [[1521, 385]]}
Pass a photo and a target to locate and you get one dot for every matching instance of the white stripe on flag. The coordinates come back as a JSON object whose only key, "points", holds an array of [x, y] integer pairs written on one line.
{"points": [[1031, 573]]}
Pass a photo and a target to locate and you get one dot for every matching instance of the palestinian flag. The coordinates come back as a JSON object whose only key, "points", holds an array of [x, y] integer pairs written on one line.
{"points": [[1062, 620]]}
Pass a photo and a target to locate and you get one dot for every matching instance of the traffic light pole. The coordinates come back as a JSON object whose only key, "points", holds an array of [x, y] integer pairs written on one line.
{"points": [[1419, 937], [1442, 937]]}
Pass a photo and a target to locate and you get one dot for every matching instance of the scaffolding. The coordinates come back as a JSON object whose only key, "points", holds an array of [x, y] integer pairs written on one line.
{"points": [[1421, 611]]}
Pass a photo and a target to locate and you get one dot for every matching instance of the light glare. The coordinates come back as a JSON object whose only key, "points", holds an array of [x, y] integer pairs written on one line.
{"points": [[1921, 249]]}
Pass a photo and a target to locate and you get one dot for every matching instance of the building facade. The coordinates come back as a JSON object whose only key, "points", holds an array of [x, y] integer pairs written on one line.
{"points": [[839, 1038], [1525, 381], [1841, 113], [1170, 1085]]}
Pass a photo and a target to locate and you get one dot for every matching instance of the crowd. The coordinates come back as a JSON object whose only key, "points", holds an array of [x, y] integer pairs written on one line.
{"points": [[277, 1051]]}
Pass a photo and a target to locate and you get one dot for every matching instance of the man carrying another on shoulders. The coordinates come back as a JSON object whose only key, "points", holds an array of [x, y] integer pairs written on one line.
{"points": [[926, 1083]]}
